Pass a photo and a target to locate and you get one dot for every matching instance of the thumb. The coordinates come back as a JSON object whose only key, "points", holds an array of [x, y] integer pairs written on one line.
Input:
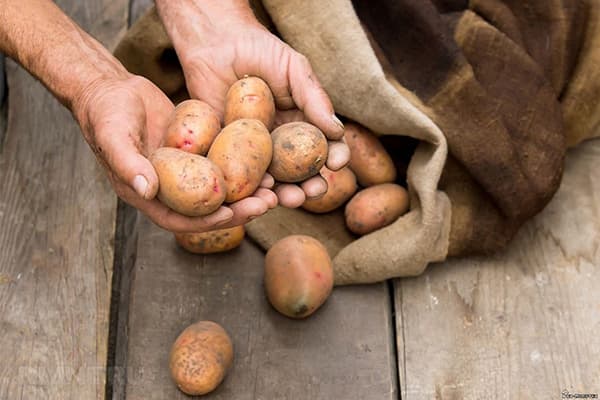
{"points": [[310, 97], [122, 155]]}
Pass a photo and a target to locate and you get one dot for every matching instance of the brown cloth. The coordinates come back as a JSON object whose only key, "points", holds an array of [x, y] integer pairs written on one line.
{"points": [[494, 91]]}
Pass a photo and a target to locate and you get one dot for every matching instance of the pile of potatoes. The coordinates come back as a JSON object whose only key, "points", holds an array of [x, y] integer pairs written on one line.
{"points": [[203, 165]]}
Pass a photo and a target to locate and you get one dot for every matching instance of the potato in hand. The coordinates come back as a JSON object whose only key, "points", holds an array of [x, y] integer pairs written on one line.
{"points": [[193, 127], [243, 151], [341, 185], [251, 98], [299, 152], [190, 184]]}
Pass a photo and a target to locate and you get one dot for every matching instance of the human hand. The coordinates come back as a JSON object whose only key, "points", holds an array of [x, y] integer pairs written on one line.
{"points": [[124, 120], [221, 42]]}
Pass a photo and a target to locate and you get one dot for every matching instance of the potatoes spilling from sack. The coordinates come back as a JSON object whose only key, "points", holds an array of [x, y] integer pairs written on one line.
{"points": [[203, 166]]}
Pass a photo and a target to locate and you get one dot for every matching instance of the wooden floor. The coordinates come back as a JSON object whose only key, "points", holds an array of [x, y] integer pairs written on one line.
{"points": [[92, 296]]}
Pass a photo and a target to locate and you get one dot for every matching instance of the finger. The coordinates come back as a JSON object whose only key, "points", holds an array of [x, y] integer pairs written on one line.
{"points": [[290, 196], [268, 196], [119, 149], [338, 155], [267, 181], [247, 209], [310, 97], [314, 187]]}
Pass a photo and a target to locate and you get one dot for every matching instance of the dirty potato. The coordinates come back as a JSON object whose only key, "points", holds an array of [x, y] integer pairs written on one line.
{"points": [[190, 184], [369, 160], [216, 241], [243, 151], [375, 207], [341, 185], [250, 98], [193, 127], [299, 152], [200, 358], [298, 275]]}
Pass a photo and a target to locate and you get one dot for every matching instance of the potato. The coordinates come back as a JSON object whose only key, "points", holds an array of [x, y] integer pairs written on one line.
{"points": [[200, 358], [341, 185], [251, 98], [299, 152], [193, 127], [243, 151], [298, 275], [216, 241], [369, 160], [376, 207], [190, 184]]}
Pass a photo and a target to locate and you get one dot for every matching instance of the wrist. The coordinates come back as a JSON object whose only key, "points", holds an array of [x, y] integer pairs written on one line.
{"points": [[193, 23]]}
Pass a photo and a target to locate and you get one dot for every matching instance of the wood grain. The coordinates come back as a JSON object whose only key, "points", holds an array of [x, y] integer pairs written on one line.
{"points": [[137, 8], [343, 351], [57, 216], [521, 325]]}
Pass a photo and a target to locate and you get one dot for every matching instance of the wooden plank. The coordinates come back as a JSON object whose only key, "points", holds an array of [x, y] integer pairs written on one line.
{"points": [[344, 351], [56, 229], [521, 325]]}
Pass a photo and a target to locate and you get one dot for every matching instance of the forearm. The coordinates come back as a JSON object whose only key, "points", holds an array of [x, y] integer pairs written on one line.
{"points": [[184, 19], [38, 35]]}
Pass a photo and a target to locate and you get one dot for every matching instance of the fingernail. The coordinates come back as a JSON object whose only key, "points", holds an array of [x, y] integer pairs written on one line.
{"points": [[337, 121], [140, 185]]}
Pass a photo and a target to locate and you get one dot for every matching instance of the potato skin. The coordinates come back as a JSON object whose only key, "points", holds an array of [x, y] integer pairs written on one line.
{"points": [[216, 241], [189, 183], [298, 275], [299, 152], [251, 98], [369, 160], [376, 207], [341, 185], [243, 151], [193, 127], [200, 357]]}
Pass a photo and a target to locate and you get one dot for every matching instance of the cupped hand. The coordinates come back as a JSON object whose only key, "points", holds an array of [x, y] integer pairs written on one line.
{"points": [[216, 54], [124, 121]]}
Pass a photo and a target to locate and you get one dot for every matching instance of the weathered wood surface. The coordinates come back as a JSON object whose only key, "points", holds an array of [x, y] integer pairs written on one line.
{"points": [[344, 351], [137, 8], [521, 325], [57, 215]]}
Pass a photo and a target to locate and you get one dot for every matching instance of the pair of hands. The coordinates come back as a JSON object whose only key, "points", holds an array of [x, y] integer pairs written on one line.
{"points": [[124, 119]]}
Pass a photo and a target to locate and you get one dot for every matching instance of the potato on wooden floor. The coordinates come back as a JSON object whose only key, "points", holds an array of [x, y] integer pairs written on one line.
{"points": [[189, 183], [193, 127], [243, 151], [250, 97], [369, 160], [201, 357], [341, 185], [299, 152], [216, 241], [375, 207], [298, 275]]}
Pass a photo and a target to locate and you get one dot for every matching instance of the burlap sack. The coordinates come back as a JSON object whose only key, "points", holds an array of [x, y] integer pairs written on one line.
{"points": [[477, 79]]}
